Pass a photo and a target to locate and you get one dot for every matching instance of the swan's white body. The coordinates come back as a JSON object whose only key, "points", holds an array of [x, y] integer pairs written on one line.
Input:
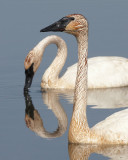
{"points": [[114, 128], [103, 72]]}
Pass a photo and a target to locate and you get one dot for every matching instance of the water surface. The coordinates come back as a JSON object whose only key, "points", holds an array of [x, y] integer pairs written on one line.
{"points": [[21, 22]]}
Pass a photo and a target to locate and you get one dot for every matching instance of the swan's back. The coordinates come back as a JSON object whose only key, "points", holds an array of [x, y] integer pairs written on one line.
{"points": [[106, 72], [115, 127], [103, 72]]}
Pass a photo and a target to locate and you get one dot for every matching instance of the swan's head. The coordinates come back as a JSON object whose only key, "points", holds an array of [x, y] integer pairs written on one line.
{"points": [[73, 24], [31, 64]]}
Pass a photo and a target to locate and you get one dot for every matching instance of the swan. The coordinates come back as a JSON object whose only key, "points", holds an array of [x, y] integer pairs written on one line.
{"points": [[51, 78], [103, 72], [114, 129], [33, 119]]}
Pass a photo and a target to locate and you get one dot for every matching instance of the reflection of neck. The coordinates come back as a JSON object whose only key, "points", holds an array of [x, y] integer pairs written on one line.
{"points": [[79, 120], [78, 152], [52, 101]]}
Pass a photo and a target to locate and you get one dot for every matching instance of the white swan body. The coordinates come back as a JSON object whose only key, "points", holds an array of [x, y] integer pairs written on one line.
{"points": [[103, 72], [113, 130]]}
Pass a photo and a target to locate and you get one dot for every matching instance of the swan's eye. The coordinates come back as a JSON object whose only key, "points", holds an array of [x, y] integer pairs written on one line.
{"points": [[64, 19], [67, 19], [72, 18]]}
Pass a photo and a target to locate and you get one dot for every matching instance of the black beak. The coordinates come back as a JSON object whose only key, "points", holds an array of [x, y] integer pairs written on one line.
{"points": [[58, 26], [29, 76]]}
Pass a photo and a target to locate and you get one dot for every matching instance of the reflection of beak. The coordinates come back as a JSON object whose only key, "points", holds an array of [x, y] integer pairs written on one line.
{"points": [[29, 110], [29, 76], [59, 25]]}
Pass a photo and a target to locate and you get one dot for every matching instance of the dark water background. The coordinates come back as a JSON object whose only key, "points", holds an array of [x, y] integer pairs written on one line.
{"points": [[20, 23]]}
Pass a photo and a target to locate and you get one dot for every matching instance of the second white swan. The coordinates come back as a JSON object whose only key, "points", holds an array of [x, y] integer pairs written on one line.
{"points": [[103, 72]]}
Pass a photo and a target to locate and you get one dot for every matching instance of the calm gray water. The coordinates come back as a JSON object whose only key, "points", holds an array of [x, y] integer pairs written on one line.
{"points": [[20, 23]]}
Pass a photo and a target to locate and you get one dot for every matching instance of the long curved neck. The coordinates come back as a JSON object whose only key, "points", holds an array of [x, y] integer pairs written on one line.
{"points": [[79, 122], [80, 95], [54, 69]]}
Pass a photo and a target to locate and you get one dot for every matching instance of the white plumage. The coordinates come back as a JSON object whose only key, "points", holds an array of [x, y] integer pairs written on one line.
{"points": [[114, 127], [103, 72]]}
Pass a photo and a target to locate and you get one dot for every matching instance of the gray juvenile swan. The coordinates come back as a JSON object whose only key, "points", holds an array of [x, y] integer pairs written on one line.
{"points": [[114, 129]]}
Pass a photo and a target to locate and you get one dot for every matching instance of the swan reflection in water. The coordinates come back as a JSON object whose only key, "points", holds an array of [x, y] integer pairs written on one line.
{"points": [[33, 119], [117, 97], [114, 152], [99, 98]]}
